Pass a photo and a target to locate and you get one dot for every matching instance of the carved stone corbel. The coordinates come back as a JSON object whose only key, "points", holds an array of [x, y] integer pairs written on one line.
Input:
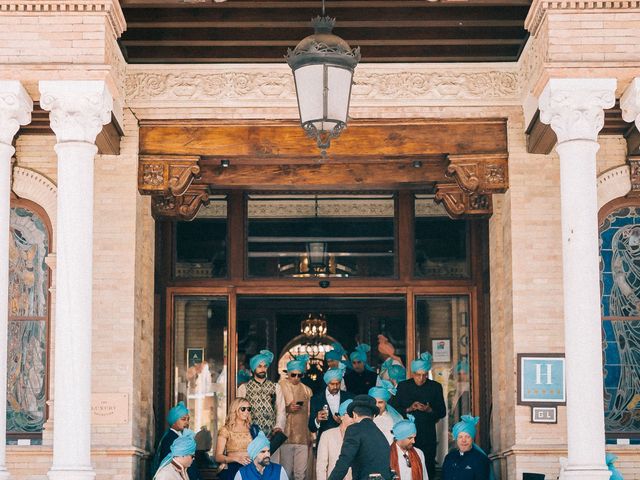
{"points": [[479, 173], [459, 203], [634, 171], [166, 175], [184, 207]]}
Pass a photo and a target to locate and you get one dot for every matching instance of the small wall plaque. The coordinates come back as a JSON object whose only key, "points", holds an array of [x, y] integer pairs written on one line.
{"points": [[544, 415], [110, 409], [541, 379]]}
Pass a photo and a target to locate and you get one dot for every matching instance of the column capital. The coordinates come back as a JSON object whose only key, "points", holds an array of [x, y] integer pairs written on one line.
{"points": [[574, 107], [79, 109], [630, 103], [15, 109]]}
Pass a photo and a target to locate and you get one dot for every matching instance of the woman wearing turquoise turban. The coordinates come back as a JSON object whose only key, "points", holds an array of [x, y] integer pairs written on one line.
{"points": [[467, 461]]}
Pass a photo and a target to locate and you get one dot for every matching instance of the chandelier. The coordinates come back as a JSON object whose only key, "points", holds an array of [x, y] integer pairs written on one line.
{"points": [[323, 66], [314, 326]]}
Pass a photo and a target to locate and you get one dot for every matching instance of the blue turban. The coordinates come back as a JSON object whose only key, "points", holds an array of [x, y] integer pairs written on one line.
{"points": [[257, 445], [384, 391], [336, 354], [423, 363], [176, 413], [467, 425], [360, 353], [462, 366], [615, 473], [298, 364], [334, 374], [342, 411], [265, 356], [393, 370], [243, 376], [182, 446], [404, 428]]}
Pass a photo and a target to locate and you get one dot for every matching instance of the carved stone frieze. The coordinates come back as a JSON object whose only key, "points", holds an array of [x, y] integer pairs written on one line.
{"points": [[634, 172], [479, 173], [459, 203], [166, 175], [274, 82], [184, 207]]}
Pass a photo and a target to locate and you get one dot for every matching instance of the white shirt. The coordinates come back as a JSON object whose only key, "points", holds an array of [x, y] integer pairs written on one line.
{"points": [[405, 472], [385, 423], [334, 404]]}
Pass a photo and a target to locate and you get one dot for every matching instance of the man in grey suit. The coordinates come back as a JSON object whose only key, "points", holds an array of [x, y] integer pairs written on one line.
{"points": [[364, 448]]}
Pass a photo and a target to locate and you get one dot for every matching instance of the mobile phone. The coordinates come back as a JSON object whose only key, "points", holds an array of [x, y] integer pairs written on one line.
{"points": [[300, 402]]}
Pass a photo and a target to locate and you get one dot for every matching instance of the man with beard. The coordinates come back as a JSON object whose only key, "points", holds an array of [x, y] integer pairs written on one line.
{"points": [[261, 467], [406, 460], [325, 405], [361, 377], [268, 409]]}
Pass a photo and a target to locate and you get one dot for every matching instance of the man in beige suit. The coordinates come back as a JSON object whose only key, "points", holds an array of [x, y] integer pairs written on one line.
{"points": [[331, 443]]}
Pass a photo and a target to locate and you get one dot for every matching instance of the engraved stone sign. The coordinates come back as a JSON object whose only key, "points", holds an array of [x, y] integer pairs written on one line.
{"points": [[110, 409]]}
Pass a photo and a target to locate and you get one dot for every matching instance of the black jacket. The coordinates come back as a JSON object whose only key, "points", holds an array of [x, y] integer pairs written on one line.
{"points": [[365, 449], [318, 401], [472, 465], [360, 383]]}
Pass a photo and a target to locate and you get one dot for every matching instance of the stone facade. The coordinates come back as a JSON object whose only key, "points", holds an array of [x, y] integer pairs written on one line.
{"points": [[569, 39]]}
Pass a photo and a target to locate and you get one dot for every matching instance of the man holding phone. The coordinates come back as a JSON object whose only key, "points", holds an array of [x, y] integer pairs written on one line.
{"points": [[422, 398], [295, 452], [325, 405]]}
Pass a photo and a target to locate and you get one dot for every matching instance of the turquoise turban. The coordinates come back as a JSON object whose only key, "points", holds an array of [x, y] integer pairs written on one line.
{"points": [[257, 445], [342, 411], [404, 428], [467, 425], [334, 374], [360, 353], [336, 354], [265, 356], [176, 413], [298, 364], [394, 371], [243, 376], [182, 446], [615, 473], [423, 363], [462, 366], [384, 391]]}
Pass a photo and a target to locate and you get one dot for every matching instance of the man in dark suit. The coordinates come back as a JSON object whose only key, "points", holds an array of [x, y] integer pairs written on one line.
{"points": [[423, 398], [365, 448], [324, 405]]}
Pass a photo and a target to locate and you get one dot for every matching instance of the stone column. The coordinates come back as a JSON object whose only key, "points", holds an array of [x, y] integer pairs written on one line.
{"points": [[574, 109], [78, 109], [15, 110]]}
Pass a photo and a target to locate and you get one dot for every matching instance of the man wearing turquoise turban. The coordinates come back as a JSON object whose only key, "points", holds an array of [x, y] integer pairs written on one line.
{"points": [[295, 452], [180, 457], [178, 420], [325, 404], [412, 465], [361, 377], [467, 461], [388, 415], [261, 467], [268, 409], [423, 398], [392, 371]]}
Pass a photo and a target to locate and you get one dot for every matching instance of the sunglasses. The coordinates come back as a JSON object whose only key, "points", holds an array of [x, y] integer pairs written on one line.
{"points": [[296, 375], [245, 409], [406, 459]]}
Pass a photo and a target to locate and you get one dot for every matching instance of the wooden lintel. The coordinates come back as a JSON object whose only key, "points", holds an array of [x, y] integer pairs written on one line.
{"points": [[486, 173], [540, 137], [166, 174], [320, 176], [362, 138]]}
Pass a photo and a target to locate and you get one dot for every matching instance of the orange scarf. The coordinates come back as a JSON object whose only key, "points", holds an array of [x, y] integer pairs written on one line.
{"points": [[414, 458]]}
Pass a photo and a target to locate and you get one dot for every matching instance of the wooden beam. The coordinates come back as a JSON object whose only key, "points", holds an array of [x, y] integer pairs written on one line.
{"points": [[357, 176], [363, 139]]}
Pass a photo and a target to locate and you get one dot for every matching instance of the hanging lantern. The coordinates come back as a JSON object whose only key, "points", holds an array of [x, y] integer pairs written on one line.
{"points": [[323, 66]]}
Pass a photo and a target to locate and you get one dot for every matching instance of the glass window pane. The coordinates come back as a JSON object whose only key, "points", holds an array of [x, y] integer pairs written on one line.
{"points": [[200, 339], [442, 328], [317, 236], [441, 243], [275, 323], [201, 244]]}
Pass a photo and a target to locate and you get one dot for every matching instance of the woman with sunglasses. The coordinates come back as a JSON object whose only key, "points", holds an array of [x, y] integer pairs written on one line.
{"points": [[233, 438]]}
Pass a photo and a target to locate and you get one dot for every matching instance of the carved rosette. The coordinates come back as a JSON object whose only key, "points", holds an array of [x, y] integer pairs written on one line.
{"points": [[166, 175], [575, 107], [481, 174], [184, 207], [634, 171], [461, 204]]}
